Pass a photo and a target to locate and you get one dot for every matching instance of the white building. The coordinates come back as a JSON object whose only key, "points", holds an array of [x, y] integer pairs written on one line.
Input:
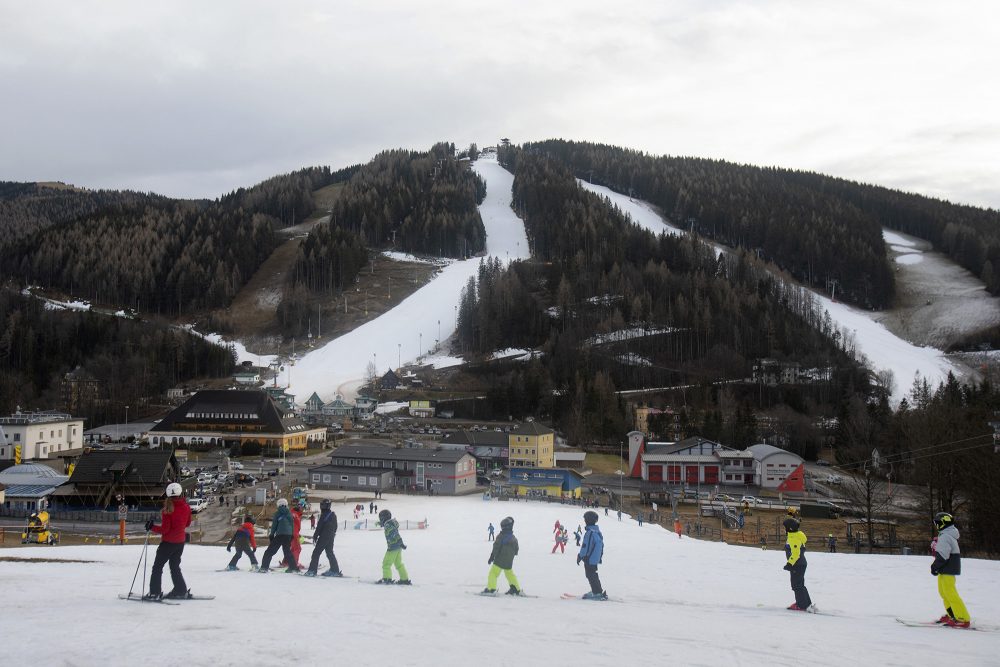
{"points": [[39, 435], [775, 465]]}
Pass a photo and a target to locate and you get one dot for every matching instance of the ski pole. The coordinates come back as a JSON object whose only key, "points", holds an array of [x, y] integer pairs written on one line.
{"points": [[132, 585]]}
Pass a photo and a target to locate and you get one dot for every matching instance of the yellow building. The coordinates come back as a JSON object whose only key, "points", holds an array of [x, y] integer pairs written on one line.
{"points": [[531, 445]]}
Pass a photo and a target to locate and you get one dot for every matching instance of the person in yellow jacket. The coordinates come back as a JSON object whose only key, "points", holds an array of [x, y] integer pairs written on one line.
{"points": [[795, 564]]}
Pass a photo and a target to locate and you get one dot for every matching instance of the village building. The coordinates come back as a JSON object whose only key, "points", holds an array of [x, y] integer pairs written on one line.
{"points": [[377, 468], [28, 436]]}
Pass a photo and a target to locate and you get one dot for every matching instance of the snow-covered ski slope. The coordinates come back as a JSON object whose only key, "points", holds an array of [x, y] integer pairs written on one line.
{"points": [[686, 602], [410, 330], [884, 350]]}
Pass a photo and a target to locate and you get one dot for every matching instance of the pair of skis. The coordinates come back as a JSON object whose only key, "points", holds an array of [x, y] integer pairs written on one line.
{"points": [[136, 597]]}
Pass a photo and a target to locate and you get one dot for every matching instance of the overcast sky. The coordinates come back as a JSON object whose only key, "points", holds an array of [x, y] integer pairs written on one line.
{"points": [[193, 99]]}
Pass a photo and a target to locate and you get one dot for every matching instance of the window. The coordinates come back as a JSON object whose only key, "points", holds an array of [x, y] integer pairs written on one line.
{"points": [[17, 437], [315, 476], [362, 480], [373, 481], [327, 479], [344, 478]]}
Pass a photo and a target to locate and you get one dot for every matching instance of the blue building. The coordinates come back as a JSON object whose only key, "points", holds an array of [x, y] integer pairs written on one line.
{"points": [[556, 482]]}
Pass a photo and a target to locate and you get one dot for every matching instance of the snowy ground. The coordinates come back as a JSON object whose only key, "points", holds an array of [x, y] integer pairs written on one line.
{"points": [[685, 602]]}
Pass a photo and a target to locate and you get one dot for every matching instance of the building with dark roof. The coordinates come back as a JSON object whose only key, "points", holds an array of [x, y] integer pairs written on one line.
{"points": [[139, 476], [227, 417], [377, 467], [29, 486]]}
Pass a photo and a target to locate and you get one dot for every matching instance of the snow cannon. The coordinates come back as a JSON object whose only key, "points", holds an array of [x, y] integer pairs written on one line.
{"points": [[37, 531]]}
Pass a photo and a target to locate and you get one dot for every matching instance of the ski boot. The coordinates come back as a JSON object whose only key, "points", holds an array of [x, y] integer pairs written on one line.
{"points": [[178, 595], [152, 596], [232, 568], [309, 573], [255, 568], [263, 570], [513, 591], [955, 623], [404, 582], [795, 607], [332, 573], [292, 570], [489, 591], [385, 580]]}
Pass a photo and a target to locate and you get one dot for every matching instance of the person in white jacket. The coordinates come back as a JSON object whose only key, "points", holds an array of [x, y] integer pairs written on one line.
{"points": [[946, 566]]}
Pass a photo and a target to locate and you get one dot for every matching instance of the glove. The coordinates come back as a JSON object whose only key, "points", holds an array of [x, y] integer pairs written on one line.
{"points": [[255, 550], [229, 548], [579, 559], [404, 546], [934, 569], [490, 561], [788, 567], [149, 525]]}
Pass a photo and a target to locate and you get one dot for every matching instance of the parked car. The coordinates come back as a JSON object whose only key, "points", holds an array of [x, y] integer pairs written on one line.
{"points": [[725, 498], [821, 462], [751, 500], [834, 479], [236, 465], [198, 504]]}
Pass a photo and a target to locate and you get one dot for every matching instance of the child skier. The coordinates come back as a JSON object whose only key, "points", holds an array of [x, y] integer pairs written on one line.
{"points": [[795, 554], [561, 540], [326, 533], [245, 542], [578, 533], [946, 566], [281, 537], [491, 530], [296, 545], [590, 555], [502, 559], [174, 520], [394, 551]]}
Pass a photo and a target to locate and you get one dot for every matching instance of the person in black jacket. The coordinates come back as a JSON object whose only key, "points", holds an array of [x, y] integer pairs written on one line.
{"points": [[325, 533]]}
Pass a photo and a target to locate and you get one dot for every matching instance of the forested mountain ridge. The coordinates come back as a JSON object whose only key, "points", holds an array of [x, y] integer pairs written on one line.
{"points": [[703, 319], [818, 228]]}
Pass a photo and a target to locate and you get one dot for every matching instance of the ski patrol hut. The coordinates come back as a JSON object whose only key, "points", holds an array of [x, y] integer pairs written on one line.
{"points": [[552, 482]]}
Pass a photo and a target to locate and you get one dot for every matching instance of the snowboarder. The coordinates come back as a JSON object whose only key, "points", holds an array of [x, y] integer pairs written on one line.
{"points": [[175, 517], [323, 537], [502, 559], [245, 541], [280, 535], [591, 552], [578, 534], [491, 530], [393, 552], [795, 563], [946, 566]]}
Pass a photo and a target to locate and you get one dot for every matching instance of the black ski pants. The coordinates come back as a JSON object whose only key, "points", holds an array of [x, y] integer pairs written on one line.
{"points": [[243, 549], [284, 542], [595, 581], [167, 552], [318, 550], [798, 576]]}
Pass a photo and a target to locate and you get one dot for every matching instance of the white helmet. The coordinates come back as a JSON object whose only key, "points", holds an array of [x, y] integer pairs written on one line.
{"points": [[174, 489], [282, 502]]}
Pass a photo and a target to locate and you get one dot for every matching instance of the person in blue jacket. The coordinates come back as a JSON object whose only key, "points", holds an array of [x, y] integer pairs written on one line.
{"points": [[591, 552], [281, 532]]}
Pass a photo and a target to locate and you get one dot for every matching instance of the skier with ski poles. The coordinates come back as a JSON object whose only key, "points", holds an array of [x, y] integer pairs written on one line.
{"points": [[175, 517], [795, 564]]}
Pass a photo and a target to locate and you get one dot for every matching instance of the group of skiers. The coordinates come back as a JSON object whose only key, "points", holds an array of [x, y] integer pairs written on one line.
{"points": [[176, 517]]}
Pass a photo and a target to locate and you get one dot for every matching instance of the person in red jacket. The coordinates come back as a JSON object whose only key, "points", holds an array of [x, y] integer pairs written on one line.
{"points": [[175, 518], [296, 545]]}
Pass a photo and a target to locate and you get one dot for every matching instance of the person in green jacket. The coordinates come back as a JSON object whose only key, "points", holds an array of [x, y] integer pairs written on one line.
{"points": [[502, 559], [394, 551], [281, 532]]}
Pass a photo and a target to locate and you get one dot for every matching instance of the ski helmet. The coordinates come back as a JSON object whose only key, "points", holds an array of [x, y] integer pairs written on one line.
{"points": [[249, 519], [282, 502], [507, 523], [590, 518], [943, 519], [174, 489], [325, 504], [384, 515], [791, 524]]}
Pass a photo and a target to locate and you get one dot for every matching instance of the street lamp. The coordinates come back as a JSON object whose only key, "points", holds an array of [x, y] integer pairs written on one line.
{"points": [[126, 420]]}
